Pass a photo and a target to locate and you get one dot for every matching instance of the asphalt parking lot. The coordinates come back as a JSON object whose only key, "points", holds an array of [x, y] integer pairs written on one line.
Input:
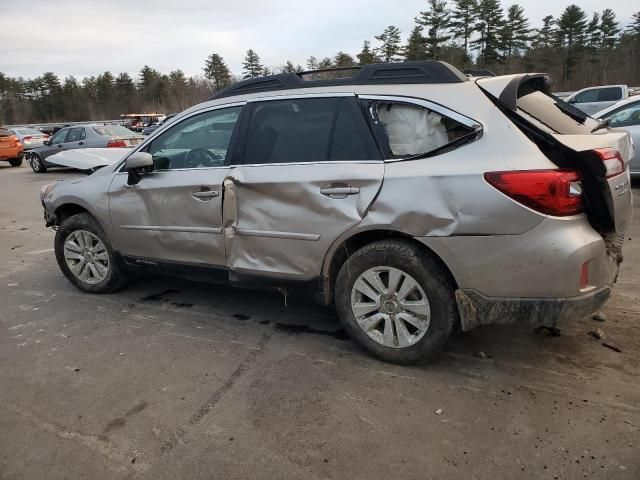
{"points": [[172, 379]]}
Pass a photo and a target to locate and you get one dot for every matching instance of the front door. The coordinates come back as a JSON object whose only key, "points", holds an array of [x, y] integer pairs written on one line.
{"points": [[307, 171], [174, 214], [56, 144]]}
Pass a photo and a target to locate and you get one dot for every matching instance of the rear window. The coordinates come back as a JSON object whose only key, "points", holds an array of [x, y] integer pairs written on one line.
{"points": [[28, 131], [551, 114], [113, 131]]}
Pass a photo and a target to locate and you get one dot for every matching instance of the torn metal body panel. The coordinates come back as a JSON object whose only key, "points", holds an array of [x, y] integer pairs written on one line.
{"points": [[286, 216]]}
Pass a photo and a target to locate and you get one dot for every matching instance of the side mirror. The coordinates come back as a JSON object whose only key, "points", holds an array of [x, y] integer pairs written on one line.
{"points": [[47, 143], [138, 164], [572, 101]]}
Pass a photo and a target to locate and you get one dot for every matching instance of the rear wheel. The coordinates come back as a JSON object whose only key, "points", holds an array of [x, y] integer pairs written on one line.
{"points": [[396, 301], [15, 162], [85, 256], [36, 163]]}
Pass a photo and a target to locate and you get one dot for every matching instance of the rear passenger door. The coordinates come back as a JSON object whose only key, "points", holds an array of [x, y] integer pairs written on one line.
{"points": [[307, 171]]}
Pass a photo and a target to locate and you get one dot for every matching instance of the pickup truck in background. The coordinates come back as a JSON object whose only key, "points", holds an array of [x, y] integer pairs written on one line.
{"points": [[594, 99]]}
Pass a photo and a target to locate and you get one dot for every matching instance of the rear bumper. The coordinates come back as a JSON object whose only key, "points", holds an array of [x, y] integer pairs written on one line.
{"points": [[476, 309]]}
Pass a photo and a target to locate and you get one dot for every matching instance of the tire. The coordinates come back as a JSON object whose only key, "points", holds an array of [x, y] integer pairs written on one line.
{"points": [[37, 164], [79, 236], [15, 162], [430, 295]]}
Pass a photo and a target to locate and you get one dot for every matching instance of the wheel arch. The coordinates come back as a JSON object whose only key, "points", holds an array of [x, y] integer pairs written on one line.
{"points": [[344, 247]]}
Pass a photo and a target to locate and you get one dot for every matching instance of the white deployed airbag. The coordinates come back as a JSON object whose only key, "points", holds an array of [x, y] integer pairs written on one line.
{"points": [[412, 130]]}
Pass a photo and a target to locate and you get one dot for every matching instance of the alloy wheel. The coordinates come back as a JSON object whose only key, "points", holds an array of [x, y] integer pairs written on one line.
{"points": [[390, 306], [86, 256]]}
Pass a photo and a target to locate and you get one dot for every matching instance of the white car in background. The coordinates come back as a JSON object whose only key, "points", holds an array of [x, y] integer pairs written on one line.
{"points": [[625, 115]]}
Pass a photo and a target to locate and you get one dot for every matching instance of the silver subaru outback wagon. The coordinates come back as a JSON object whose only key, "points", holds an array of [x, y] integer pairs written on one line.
{"points": [[412, 198]]}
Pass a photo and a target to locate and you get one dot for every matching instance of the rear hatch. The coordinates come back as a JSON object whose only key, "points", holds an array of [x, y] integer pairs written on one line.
{"points": [[571, 139], [7, 139]]}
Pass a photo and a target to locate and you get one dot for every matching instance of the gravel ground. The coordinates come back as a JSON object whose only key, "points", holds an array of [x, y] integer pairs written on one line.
{"points": [[172, 379]]}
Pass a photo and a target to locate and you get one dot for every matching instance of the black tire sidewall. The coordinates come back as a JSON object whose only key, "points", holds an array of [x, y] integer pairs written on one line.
{"points": [[83, 221], [426, 271], [36, 160], [16, 162]]}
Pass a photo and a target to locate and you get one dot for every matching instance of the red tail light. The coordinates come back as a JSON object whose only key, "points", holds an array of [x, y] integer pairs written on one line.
{"points": [[116, 143], [27, 138], [552, 192], [612, 161]]}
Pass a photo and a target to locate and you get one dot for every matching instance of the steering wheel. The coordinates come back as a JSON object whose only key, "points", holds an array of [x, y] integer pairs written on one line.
{"points": [[201, 157]]}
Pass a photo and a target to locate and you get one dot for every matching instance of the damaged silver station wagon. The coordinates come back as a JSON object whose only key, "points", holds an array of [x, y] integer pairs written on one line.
{"points": [[412, 198]]}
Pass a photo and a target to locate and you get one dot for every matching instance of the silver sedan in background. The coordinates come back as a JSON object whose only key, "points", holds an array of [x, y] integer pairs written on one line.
{"points": [[30, 137], [80, 136]]}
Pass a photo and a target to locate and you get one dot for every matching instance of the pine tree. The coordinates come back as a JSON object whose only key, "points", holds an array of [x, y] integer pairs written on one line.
{"points": [[572, 26], [490, 20], [312, 63], [366, 55], [609, 31], [633, 28], [390, 48], [217, 72], [463, 20], [288, 67], [436, 20], [545, 36], [342, 60], [325, 63], [251, 66], [514, 33], [416, 48]]}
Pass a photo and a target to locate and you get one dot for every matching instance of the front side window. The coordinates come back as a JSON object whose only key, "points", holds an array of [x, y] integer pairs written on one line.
{"points": [[200, 141], [407, 130], [59, 136], [586, 97], [76, 134], [625, 117], [307, 130]]}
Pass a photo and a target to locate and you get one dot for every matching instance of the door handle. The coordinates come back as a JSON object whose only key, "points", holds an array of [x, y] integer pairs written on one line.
{"points": [[205, 194], [80, 143], [339, 191]]}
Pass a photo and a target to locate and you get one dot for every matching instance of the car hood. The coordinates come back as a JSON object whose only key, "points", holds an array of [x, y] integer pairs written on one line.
{"points": [[89, 158]]}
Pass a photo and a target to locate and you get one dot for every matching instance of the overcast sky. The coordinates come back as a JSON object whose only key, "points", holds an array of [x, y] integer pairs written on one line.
{"points": [[87, 37]]}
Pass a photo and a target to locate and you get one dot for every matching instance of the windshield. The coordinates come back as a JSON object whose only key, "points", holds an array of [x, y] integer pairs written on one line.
{"points": [[552, 114], [113, 131]]}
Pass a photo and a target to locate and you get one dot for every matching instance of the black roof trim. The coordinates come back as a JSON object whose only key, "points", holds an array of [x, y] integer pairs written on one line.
{"points": [[428, 71]]}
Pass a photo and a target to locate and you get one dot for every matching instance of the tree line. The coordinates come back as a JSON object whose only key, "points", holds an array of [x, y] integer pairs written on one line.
{"points": [[578, 50]]}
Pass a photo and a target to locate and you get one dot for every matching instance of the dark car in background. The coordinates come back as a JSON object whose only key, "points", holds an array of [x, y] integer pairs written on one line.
{"points": [[80, 136], [152, 128]]}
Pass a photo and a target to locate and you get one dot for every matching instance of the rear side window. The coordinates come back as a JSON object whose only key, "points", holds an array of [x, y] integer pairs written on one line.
{"points": [[307, 130], [610, 94], [406, 130]]}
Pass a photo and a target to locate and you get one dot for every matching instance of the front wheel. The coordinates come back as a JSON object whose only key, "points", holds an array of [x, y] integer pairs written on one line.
{"points": [[85, 256], [36, 163], [396, 301]]}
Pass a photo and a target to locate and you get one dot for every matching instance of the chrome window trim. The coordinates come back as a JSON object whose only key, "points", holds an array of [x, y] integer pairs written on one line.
{"points": [[172, 124], [435, 107]]}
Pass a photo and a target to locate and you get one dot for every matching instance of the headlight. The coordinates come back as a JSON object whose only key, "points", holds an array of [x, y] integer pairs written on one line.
{"points": [[46, 190]]}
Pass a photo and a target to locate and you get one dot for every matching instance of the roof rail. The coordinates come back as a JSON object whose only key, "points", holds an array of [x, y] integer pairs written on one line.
{"points": [[428, 71]]}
